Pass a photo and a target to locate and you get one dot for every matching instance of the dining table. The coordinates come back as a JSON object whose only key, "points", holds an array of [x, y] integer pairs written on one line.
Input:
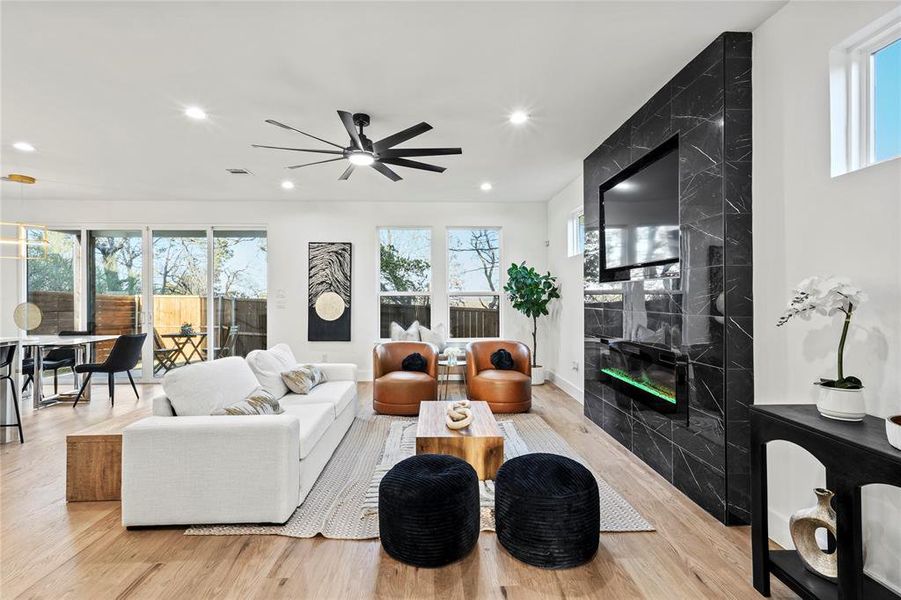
{"points": [[83, 346]]}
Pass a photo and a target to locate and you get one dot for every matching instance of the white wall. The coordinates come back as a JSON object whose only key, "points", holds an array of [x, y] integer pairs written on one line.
{"points": [[807, 223], [292, 224], [562, 343]]}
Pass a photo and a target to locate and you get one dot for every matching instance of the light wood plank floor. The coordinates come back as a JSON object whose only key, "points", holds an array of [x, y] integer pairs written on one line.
{"points": [[50, 549]]}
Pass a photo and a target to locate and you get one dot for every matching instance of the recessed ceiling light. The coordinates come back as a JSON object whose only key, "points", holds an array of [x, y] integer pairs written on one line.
{"points": [[287, 185], [195, 112], [486, 187], [625, 186], [361, 159], [23, 147], [518, 117]]}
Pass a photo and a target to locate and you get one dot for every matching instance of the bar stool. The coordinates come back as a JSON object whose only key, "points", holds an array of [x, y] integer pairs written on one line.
{"points": [[7, 354]]}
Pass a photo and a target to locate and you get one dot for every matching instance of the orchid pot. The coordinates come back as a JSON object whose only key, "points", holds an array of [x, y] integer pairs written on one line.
{"points": [[841, 398]]}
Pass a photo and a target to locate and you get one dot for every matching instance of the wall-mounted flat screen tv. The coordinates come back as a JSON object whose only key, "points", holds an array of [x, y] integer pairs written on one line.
{"points": [[640, 212]]}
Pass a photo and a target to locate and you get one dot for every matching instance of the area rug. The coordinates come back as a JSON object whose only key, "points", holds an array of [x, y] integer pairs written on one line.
{"points": [[343, 503]]}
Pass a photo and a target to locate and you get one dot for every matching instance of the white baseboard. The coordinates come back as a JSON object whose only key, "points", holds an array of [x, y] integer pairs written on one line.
{"points": [[573, 390]]}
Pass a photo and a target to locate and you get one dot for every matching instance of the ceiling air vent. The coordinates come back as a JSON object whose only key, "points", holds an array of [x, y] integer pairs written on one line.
{"points": [[239, 171]]}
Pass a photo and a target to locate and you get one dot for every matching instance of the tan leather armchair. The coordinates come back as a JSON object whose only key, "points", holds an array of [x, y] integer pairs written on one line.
{"points": [[399, 392], [505, 391]]}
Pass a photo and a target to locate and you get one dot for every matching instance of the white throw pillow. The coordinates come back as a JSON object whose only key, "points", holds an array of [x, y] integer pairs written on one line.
{"points": [[268, 365], [399, 334], [199, 389], [434, 336]]}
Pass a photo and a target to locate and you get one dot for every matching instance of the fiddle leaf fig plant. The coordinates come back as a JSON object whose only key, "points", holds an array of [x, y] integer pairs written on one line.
{"points": [[530, 292], [827, 296]]}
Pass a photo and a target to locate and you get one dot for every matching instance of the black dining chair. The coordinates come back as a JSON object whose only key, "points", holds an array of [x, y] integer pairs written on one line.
{"points": [[124, 356], [7, 355], [56, 359]]}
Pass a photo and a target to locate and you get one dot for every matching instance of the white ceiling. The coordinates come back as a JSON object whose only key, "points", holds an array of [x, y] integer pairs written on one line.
{"points": [[99, 89]]}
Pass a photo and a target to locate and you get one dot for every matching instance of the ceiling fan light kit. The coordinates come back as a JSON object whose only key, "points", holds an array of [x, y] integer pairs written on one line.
{"points": [[363, 152]]}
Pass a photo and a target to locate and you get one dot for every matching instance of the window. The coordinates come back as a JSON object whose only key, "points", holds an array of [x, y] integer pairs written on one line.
{"points": [[865, 96], [575, 233], [886, 126], [405, 277], [473, 282], [52, 279]]}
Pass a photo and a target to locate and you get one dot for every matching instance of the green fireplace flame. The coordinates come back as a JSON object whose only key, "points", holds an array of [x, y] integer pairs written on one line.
{"points": [[642, 385]]}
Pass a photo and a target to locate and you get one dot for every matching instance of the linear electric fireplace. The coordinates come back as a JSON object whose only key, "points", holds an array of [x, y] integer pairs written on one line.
{"points": [[652, 375]]}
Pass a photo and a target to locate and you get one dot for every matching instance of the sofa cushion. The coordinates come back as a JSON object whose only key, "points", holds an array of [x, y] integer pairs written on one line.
{"points": [[268, 365], [314, 422], [336, 393], [282, 352], [436, 336], [199, 389]]}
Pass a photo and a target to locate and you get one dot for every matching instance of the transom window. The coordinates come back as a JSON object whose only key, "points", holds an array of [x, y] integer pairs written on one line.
{"points": [[474, 281], [405, 277], [865, 96]]}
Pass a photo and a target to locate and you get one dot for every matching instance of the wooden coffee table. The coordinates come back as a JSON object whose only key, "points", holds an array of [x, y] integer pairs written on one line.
{"points": [[481, 444]]}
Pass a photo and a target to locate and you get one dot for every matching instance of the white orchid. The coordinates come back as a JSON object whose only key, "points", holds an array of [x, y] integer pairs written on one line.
{"points": [[453, 351], [827, 296]]}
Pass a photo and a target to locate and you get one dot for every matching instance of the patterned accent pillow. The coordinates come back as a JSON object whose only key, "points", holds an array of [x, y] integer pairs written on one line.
{"points": [[303, 378], [260, 402]]}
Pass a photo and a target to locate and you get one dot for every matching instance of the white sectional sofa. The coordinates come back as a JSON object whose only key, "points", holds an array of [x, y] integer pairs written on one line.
{"points": [[184, 467]]}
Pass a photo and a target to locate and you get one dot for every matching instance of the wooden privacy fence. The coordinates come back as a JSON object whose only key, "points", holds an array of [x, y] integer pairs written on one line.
{"points": [[465, 321], [121, 314]]}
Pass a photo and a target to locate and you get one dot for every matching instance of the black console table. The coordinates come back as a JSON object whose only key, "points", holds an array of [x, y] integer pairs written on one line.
{"points": [[854, 454]]}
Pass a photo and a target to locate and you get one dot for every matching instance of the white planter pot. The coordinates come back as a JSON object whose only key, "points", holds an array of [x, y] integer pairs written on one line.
{"points": [[537, 375], [841, 405], [893, 431]]}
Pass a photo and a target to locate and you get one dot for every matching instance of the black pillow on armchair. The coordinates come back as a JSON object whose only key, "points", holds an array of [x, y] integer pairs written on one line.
{"points": [[414, 362], [501, 359]]}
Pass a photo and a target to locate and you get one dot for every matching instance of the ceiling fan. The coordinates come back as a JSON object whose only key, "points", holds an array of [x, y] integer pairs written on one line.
{"points": [[363, 152]]}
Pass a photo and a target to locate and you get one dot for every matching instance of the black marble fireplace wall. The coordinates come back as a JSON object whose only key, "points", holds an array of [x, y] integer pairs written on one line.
{"points": [[705, 311]]}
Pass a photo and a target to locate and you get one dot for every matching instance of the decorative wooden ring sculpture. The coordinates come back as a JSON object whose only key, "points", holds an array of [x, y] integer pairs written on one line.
{"points": [[459, 415]]}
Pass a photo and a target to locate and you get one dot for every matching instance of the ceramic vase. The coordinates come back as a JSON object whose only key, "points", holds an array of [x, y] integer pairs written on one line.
{"points": [[803, 526], [537, 375], [841, 405], [893, 431]]}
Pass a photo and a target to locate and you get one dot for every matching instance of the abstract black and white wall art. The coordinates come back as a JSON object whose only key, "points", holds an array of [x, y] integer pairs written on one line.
{"points": [[329, 292]]}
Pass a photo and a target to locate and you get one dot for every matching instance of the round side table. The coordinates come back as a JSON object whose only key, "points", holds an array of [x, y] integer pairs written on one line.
{"points": [[447, 371]]}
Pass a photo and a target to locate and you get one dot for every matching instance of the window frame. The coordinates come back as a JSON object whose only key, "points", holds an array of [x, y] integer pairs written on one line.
{"points": [[378, 273], [501, 277], [852, 98], [575, 243]]}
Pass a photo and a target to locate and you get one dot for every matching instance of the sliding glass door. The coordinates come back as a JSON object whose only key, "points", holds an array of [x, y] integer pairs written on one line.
{"points": [[239, 292], [115, 286], [197, 293], [180, 289]]}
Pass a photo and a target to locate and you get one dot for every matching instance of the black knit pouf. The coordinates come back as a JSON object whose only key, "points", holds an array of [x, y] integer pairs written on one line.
{"points": [[547, 510], [429, 510]]}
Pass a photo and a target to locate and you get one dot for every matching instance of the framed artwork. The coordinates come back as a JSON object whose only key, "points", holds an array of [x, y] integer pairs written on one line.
{"points": [[329, 292]]}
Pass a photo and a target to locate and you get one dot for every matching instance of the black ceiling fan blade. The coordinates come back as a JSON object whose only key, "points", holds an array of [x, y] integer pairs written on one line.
{"points": [[401, 137], [283, 126], [350, 169], [400, 152], [386, 171], [318, 162], [413, 164], [299, 149], [348, 120]]}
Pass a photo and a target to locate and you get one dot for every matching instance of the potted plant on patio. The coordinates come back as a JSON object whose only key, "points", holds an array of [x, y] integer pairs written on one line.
{"points": [[840, 398], [530, 293]]}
